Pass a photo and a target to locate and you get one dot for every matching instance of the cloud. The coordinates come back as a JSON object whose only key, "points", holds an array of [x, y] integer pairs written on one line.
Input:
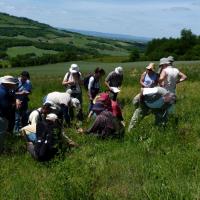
{"points": [[177, 9]]}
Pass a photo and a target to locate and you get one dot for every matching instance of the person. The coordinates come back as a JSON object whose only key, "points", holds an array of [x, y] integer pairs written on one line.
{"points": [[73, 80], [149, 78], [44, 138], [94, 85], [40, 113], [105, 124], [8, 83], [114, 80], [155, 100], [170, 76], [22, 99], [62, 102]]}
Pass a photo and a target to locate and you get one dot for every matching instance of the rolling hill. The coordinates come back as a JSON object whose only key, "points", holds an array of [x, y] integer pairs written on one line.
{"points": [[22, 38]]}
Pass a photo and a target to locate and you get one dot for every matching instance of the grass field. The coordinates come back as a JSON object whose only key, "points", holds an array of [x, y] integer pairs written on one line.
{"points": [[150, 163], [14, 51]]}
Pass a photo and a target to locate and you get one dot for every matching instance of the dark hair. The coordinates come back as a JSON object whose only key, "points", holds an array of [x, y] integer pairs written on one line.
{"points": [[26, 74], [47, 106], [98, 70]]}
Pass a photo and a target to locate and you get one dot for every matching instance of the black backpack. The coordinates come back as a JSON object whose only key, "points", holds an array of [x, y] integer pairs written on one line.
{"points": [[86, 80], [44, 145]]}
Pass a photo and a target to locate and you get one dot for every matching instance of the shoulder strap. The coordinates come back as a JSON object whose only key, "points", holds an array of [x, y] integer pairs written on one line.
{"points": [[68, 75]]}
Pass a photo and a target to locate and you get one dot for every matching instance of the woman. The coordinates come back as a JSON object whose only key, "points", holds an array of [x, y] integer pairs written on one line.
{"points": [[72, 80], [149, 78]]}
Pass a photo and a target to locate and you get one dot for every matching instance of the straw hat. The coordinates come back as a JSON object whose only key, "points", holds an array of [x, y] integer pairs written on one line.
{"points": [[150, 66]]}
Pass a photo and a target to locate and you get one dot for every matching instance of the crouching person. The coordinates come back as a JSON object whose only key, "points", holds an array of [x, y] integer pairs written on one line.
{"points": [[105, 124], [43, 138], [155, 100]]}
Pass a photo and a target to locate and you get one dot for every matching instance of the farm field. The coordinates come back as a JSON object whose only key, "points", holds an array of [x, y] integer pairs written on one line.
{"points": [[14, 51], [149, 163]]}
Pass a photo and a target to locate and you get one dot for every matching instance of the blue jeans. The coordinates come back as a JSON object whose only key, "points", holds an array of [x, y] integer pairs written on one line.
{"points": [[3, 128]]}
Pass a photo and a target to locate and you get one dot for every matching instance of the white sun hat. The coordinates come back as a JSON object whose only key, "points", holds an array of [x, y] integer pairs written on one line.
{"points": [[170, 59], [119, 70], [9, 80], [164, 61], [74, 68]]}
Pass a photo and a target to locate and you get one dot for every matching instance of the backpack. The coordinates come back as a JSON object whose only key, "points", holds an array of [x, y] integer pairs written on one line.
{"points": [[86, 80], [44, 145]]}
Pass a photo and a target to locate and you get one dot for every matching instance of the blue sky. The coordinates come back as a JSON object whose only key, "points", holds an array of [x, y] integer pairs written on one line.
{"points": [[149, 18]]}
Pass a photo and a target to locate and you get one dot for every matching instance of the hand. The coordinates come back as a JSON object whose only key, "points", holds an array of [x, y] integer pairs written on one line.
{"points": [[18, 104]]}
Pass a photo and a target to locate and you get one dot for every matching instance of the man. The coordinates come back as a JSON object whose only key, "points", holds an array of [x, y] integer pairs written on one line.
{"points": [[114, 80], [155, 100], [22, 93], [8, 84], [170, 76], [63, 101]]}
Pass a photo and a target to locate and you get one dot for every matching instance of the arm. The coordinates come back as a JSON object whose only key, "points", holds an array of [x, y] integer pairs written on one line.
{"points": [[91, 82], [142, 79], [107, 80], [182, 76], [163, 75], [66, 80]]}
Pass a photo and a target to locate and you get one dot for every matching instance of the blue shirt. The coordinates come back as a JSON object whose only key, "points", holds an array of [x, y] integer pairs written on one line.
{"points": [[26, 86], [4, 100]]}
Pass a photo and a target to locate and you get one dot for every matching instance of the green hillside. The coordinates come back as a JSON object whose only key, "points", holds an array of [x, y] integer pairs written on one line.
{"points": [[25, 34]]}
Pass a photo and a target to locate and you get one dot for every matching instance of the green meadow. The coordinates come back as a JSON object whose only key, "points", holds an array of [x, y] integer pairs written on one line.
{"points": [[149, 163]]}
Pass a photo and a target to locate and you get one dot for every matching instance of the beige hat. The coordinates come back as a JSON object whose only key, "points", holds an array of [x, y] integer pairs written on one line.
{"points": [[52, 117], [74, 68], [150, 66], [164, 61], [9, 80], [170, 59]]}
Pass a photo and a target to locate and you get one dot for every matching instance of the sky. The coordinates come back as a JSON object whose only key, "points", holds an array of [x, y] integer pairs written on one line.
{"points": [[147, 18]]}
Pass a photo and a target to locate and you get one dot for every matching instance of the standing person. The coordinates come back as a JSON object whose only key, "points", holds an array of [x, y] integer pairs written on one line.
{"points": [[8, 83], [149, 78], [73, 80], [170, 76], [94, 85], [22, 99], [114, 80]]}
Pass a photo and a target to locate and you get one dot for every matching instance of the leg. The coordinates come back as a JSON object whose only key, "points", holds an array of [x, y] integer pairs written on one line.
{"points": [[138, 115], [3, 128]]}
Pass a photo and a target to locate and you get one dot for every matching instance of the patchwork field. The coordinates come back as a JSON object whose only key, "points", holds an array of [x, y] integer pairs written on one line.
{"points": [[149, 163]]}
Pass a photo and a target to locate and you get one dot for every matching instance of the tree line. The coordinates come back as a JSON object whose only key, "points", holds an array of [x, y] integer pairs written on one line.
{"points": [[186, 47]]}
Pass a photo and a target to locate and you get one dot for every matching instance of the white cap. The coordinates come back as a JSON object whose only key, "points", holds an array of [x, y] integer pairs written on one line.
{"points": [[52, 117], [74, 68], [119, 70], [75, 102]]}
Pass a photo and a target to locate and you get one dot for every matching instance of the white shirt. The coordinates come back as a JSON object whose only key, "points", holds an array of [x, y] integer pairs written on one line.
{"points": [[171, 79], [58, 98], [34, 116], [91, 83]]}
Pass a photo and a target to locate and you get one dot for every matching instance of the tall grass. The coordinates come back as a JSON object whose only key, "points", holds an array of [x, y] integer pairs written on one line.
{"points": [[149, 163]]}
